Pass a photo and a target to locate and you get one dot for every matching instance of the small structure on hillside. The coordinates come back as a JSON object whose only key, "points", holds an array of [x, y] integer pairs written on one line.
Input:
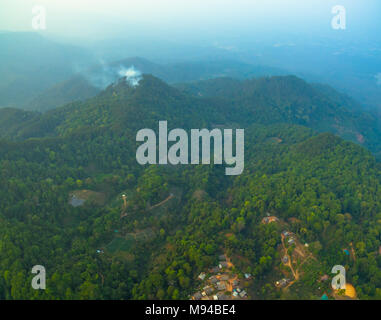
{"points": [[197, 296], [243, 294], [76, 201], [221, 286], [324, 278], [208, 290], [202, 276], [282, 283], [286, 233], [213, 279], [324, 297], [221, 296], [285, 259], [224, 277], [269, 219]]}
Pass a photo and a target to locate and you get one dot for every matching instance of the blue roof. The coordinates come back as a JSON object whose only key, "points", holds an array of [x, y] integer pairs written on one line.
{"points": [[324, 297]]}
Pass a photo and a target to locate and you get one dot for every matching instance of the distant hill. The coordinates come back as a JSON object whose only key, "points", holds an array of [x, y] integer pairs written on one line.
{"points": [[74, 89], [30, 63], [292, 100], [266, 100], [12, 121], [119, 106], [90, 81]]}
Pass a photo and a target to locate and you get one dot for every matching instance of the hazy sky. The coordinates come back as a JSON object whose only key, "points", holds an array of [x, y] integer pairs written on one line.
{"points": [[104, 18]]}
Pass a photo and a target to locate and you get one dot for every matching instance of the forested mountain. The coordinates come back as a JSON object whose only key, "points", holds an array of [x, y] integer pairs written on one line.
{"points": [[177, 220], [90, 81], [121, 106], [12, 121], [292, 100], [74, 89], [265, 100]]}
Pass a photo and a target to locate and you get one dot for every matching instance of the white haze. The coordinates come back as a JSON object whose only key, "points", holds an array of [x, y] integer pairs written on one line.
{"points": [[104, 75], [132, 75]]}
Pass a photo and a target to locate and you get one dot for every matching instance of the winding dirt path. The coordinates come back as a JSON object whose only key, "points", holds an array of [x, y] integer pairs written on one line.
{"points": [[125, 214], [161, 203], [289, 264]]}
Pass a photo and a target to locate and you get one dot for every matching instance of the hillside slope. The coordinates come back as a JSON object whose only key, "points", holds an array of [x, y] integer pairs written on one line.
{"points": [[292, 100], [31, 63]]}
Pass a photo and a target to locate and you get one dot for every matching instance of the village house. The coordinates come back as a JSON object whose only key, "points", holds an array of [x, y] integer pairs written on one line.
{"points": [[282, 283], [324, 278], [221, 286], [213, 279], [197, 296], [208, 290], [221, 296], [270, 219], [235, 283], [286, 233], [224, 277], [202, 276], [243, 294]]}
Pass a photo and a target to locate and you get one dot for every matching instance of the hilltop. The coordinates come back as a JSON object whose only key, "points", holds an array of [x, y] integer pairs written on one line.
{"points": [[266, 100]]}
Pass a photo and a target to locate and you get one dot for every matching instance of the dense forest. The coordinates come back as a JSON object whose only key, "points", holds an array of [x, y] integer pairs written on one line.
{"points": [[146, 232]]}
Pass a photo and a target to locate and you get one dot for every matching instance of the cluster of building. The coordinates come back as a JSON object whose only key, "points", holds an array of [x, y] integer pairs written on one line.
{"points": [[286, 259], [220, 283], [290, 236], [238, 292]]}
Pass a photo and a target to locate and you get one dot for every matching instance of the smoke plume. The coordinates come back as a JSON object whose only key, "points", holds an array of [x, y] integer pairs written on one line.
{"points": [[132, 75]]}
